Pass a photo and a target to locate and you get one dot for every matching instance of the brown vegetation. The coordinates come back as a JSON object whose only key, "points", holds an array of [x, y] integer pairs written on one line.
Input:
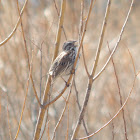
{"points": [[25, 59]]}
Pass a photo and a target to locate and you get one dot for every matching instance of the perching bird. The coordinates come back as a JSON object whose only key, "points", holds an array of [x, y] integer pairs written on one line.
{"points": [[63, 64]]}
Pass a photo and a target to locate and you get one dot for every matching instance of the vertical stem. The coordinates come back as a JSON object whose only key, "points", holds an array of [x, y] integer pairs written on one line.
{"points": [[61, 19], [48, 83], [90, 81]]}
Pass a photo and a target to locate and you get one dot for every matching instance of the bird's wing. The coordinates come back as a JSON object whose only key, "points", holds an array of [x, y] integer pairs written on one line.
{"points": [[60, 64]]}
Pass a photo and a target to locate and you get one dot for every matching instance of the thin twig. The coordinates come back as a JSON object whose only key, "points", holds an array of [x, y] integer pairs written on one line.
{"points": [[85, 62], [60, 25], [122, 30], [90, 81], [62, 114], [47, 119], [81, 20], [11, 105], [117, 80], [48, 82], [27, 55], [116, 113], [17, 24], [56, 7], [113, 136], [40, 71], [67, 133], [29, 77], [80, 34], [79, 106], [116, 45], [101, 37], [10, 134], [41, 59], [58, 15], [134, 68]]}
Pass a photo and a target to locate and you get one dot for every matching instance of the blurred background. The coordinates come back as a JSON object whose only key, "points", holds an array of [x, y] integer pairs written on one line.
{"points": [[40, 23]]}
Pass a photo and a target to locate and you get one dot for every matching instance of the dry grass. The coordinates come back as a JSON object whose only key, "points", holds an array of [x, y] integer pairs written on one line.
{"points": [[40, 22]]}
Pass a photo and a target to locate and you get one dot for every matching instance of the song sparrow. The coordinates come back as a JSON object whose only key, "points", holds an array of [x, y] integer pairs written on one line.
{"points": [[63, 64]]}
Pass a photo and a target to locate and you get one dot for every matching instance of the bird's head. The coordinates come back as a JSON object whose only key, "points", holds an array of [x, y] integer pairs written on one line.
{"points": [[70, 46]]}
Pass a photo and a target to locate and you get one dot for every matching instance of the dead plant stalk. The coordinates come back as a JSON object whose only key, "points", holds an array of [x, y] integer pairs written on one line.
{"points": [[116, 46], [90, 81], [29, 77], [48, 83], [27, 55], [16, 26]]}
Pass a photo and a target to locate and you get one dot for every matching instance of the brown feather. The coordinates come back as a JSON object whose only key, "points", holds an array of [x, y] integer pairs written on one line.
{"points": [[60, 64]]}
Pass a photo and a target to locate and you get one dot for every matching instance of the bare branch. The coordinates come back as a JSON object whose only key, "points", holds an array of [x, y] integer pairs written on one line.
{"points": [[80, 34], [29, 77], [79, 106], [10, 134], [58, 15], [48, 83], [85, 62], [90, 82], [117, 80], [134, 78], [17, 24], [62, 114], [116, 113], [117, 43], [131, 59], [27, 55], [60, 25]]}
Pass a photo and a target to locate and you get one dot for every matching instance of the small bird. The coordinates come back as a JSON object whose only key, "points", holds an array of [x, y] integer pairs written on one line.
{"points": [[63, 64]]}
